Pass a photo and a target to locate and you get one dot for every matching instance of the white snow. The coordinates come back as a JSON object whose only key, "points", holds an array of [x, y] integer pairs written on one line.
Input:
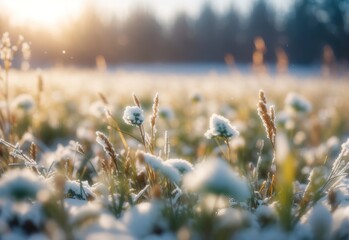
{"points": [[105, 227], [320, 221], [297, 103], [142, 219], [163, 167], [133, 116], [80, 191], [266, 214], [83, 213], [20, 184], [183, 166], [62, 155], [216, 176], [24, 102], [98, 109], [220, 127], [340, 227]]}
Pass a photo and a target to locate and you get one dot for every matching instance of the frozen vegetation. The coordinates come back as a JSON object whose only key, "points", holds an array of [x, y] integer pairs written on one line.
{"points": [[90, 155]]}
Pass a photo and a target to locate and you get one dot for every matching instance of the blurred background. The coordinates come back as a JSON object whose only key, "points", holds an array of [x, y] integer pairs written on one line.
{"points": [[106, 33]]}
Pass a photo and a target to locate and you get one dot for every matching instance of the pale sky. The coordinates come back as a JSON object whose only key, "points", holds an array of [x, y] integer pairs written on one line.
{"points": [[52, 12]]}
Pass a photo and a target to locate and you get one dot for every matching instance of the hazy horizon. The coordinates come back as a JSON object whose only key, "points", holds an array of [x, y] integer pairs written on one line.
{"points": [[55, 12]]}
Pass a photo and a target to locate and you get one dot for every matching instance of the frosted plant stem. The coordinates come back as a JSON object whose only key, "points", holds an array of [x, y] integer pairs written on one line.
{"points": [[220, 148], [228, 151], [141, 130]]}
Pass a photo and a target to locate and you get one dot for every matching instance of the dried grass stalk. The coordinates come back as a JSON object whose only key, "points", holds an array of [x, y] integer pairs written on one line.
{"points": [[155, 110], [103, 98], [136, 100], [33, 151], [268, 117], [108, 147]]}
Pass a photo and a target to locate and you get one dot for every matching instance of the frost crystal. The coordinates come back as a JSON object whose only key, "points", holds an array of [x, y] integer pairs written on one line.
{"points": [[220, 127], [297, 103], [217, 177], [133, 116]]}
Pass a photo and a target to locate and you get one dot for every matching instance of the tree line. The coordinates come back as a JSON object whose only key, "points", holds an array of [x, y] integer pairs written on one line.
{"points": [[302, 33]]}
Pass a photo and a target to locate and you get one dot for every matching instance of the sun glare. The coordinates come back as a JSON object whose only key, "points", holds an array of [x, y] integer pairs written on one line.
{"points": [[42, 12]]}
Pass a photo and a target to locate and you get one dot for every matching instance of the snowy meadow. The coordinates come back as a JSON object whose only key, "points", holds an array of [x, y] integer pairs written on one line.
{"points": [[121, 155]]}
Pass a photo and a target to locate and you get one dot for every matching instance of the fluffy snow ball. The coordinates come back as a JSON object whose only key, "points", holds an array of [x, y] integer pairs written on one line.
{"points": [[133, 116], [221, 127]]}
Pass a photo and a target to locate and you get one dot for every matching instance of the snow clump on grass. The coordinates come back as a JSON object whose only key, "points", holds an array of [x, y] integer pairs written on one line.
{"points": [[181, 165], [141, 220], [320, 221], [235, 219], [340, 227], [97, 109], [266, 215], [133, 116], [20, 184], [296, 103], [166, 113], [78, 190], [161, 166], [221, 127], [63, 155], [216, 176], [24, 102]]}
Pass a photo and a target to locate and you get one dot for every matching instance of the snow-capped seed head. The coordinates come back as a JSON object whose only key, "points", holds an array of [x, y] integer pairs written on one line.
{"points": [[133, 116], [345, 147], [297, 103], [221, 127]]}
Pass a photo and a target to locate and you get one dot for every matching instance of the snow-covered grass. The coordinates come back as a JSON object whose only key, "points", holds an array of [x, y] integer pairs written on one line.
{"points": [[197, 161]]}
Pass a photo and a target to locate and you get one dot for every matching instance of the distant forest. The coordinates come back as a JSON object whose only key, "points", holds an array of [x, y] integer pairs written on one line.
{"points": [[303, 32]]}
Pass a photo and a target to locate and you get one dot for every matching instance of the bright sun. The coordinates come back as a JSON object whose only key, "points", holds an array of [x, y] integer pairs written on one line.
{"points": [[48, 13]]}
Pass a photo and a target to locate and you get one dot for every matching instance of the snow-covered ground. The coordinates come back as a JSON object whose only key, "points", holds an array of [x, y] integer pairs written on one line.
{"points": [[98, 156]]}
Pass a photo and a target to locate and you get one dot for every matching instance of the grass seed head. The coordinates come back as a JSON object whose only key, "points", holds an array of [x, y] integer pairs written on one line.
{"points": [[267, 117], [136, 100], [155, 110]]}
